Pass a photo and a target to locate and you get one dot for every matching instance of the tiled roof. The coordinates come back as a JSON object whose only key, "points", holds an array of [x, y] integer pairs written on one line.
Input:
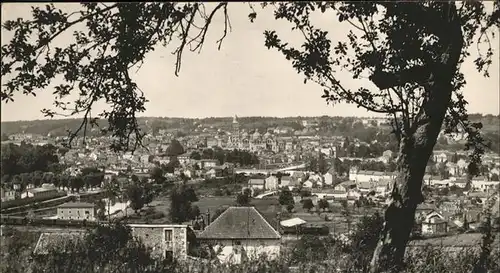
{"points": [[57, 240], [426, 206], [77, 205], [254, 181], [240, 223]]}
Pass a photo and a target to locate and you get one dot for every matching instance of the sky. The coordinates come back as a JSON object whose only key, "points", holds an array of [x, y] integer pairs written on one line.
{"points": [[244, 78]]}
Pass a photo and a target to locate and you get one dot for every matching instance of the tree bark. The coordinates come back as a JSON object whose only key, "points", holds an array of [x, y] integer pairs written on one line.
{"points": [[109, 210], [415, 150]]}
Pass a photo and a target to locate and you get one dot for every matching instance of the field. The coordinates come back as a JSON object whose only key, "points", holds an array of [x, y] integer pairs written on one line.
{"points": [[458, 240], [271, 209], [268, 207]]}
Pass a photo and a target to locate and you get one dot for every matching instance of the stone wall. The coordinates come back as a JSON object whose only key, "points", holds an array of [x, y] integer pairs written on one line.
{"points": [[180, 242], [153, 236]]}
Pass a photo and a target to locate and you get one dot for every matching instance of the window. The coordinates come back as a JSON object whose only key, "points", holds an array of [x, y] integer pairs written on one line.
{"points": [[168, 235], [87, 212], [236, 247], [169, 255]]}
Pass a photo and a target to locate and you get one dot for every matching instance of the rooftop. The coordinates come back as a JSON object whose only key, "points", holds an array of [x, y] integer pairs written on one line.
{"points": [[77, 205], [256, 181], [57, 240], [33, 190], [240, 223]]}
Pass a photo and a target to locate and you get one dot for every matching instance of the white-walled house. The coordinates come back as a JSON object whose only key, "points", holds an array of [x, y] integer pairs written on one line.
{"points": [[188, 173], [343, 194], [483, 185], [382, 187], [462, 167], [368, 176], [241, 233], [271, 183], [328, 177], [434, 223], [441, 157], [315, 177], [308, 184]]}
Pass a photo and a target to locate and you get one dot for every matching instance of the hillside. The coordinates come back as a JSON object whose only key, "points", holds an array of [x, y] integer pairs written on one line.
{"points": [[59, 127]]}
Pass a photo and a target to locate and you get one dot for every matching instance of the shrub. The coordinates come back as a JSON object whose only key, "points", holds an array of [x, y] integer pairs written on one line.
{"points": [[218, 192]]}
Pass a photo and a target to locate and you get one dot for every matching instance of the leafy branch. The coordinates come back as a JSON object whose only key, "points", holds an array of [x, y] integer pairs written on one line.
{"points": [[96, 63]]}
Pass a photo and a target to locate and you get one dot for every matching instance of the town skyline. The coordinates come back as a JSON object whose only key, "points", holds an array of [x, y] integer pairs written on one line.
{"points": [[244, 78], [239, 117]]}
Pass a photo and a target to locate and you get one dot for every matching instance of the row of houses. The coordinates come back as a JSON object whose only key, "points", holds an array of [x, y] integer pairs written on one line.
{"points": [[45, 191]]}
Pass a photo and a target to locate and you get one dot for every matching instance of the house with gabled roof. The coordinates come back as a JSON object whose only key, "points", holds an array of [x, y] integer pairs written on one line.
{"points": [[241, 233], [257, 183], [434, 223]]}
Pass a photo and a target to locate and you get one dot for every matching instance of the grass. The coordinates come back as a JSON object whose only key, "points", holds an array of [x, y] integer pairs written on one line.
{"points": [[269, 207], [25, 242], [464, 239]]}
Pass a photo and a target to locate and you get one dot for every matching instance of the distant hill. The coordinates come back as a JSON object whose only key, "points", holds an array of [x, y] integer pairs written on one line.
{"points": [[59, 127]]}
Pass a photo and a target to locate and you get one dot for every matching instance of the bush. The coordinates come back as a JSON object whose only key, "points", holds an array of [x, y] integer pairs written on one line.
{"points": [[311, 248], [257, 191], [218, 192], [155, 215]]}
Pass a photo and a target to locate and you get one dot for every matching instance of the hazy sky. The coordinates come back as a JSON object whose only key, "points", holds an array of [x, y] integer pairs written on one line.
{"points": [[244, 78]]}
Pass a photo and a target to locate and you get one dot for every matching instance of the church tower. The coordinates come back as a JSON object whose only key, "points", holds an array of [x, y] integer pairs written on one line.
{"points": [[236, 132]]}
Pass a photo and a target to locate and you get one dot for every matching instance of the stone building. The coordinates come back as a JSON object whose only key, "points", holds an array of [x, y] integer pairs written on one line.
{"points": [[240, 139], [165, 239], [77, 211]]}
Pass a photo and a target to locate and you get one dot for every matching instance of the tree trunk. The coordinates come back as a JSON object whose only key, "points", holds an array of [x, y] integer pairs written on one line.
{"points": [[414, 152], [109, 210], [406, 193]]}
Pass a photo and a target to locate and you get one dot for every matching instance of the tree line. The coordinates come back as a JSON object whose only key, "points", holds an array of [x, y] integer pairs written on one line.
{"points": [[236, 156], [27, 158]]}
